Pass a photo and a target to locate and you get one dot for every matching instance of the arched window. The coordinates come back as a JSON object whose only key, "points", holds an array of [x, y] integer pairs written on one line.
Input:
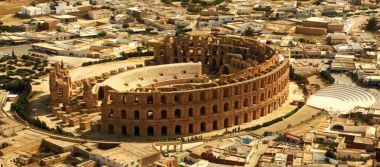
{"points": [[150, 115], [149, 100], [254, 86], [226, 123], [177, 98], [137, 131], [226, 92], [236, 105], [262, 98], [202, 96], [150, 131], [191, 129], [215, 125], [245, 88], [164, 130], [177, 113], [254, 100], [237, 90], [111, 129], [245, 117], [214, 94], [215, 109], [226, 107], [191, 112], [137, 99], [178, 129], [123, 114], [236, 120], [137, 114], [203, 127], [245, 102], [163, 99], [164, 114], [203, 110], [111, 114], [123, 130], [190, 97]]}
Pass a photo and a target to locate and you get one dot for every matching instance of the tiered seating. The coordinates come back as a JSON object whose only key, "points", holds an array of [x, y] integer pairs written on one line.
{"points": [[142, 77], [341, 98]]}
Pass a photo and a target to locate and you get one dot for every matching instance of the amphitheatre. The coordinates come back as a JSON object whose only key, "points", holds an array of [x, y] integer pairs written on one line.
{"points": [[192, 85]]}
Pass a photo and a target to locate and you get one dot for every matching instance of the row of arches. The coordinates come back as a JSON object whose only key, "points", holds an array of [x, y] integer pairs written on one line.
{"points": [[178, 113], [191, 129], [224, 93]]}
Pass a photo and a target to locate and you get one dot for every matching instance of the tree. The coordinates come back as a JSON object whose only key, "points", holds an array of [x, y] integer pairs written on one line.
{"points": [[372, 24], [102, 34], [318, 2], [248, 32]]}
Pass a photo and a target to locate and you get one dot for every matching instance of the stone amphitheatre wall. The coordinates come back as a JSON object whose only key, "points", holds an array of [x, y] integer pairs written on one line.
{"points": [[247, 88]]}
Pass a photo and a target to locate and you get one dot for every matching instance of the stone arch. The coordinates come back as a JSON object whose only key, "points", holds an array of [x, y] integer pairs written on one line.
{"points": [[137, 131], [123, 130], [164, 114], [215, 125], [163, 99], [203, 110], [245, 103], [215, 108], [203, 127], [191, 129], [226, 107], [101, 93], [202, 96], [178, 130], [136, 114], [236, 105], [226, 123], [262, 112], [262, 97], [213, 64], [190, 112], [149, 99], [214, 94], [150, 115], [245, 117], [164, 130], [190, 97], [111, 114], [225, 70], [337, 127], [226, 92], [245, 88], [177, 113], [123, 114], [111, 129], [254, 100], [177, 98], [237, 90], [236, 120], [150, 131]]}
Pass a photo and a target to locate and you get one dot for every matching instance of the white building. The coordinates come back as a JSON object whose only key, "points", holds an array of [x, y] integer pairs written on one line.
{"points": [[63, 8], [31, 11]]}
